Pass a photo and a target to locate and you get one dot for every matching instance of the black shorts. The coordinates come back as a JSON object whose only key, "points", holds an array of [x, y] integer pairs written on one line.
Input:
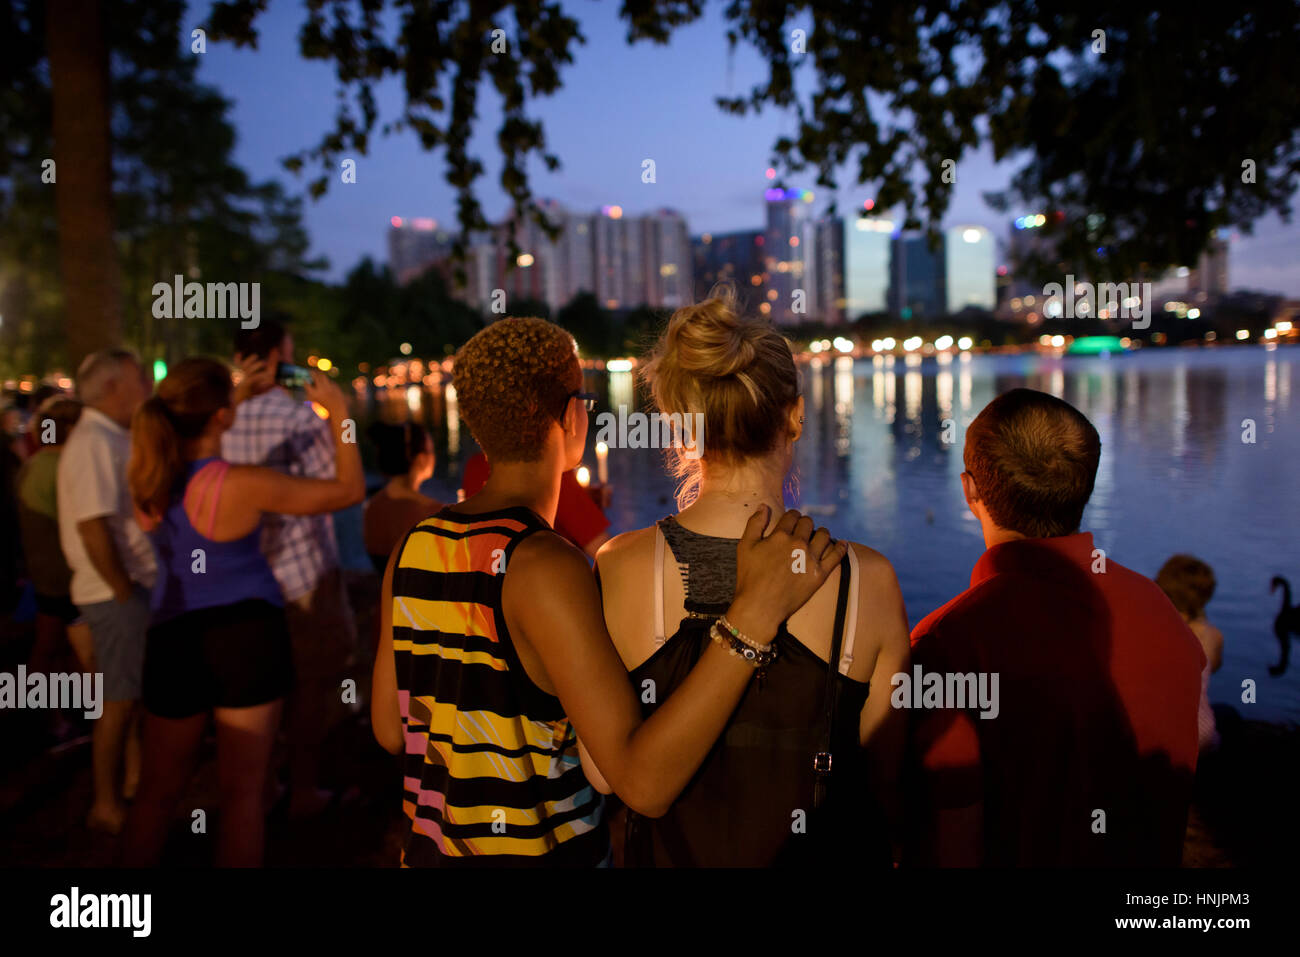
{"points": [[231, 656]]}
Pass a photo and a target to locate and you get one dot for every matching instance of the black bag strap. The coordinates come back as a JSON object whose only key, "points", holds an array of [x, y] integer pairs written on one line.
{"points": [[822, 759]]}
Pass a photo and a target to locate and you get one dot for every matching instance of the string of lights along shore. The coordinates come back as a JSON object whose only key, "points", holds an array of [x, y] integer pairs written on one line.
{"points": [[799, 266]]}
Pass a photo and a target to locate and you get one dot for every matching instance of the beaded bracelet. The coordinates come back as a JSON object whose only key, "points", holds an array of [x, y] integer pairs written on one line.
{"points": [[737, 633], [760, 658]]}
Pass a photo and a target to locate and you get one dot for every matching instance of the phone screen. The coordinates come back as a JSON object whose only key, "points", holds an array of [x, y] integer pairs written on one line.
{"points": [[295, 377]]}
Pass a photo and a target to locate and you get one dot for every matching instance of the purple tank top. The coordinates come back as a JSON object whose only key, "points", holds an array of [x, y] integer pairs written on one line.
{"points": [[196, 572]]}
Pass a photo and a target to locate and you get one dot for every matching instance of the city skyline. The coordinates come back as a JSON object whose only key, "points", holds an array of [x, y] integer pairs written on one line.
{"points": [[618, 105], [797, 267]]}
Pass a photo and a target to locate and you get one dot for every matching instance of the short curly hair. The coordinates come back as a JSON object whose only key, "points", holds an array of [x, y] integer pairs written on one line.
{"points": [[512, 381]]}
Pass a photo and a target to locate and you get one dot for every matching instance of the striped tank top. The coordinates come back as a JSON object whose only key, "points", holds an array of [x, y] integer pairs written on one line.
{"points": [[491, 769]]}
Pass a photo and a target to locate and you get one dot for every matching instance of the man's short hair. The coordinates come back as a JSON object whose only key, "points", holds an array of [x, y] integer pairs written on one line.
{"points": [[268, 335], [99, 370], [1034, 461], [512, 382]]}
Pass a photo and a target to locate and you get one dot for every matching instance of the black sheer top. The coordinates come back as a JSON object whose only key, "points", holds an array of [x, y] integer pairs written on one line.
{"points": [[751, 802]]}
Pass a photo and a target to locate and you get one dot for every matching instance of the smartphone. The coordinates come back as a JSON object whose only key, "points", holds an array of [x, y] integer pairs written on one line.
{"points": [[294, 377]]}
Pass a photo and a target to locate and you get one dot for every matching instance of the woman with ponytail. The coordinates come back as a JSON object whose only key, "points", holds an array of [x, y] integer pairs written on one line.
{"points": [[218, 643], [766, 794]]}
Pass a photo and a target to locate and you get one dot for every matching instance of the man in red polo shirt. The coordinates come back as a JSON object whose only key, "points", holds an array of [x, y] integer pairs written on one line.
{"points": [[1087, 753]]}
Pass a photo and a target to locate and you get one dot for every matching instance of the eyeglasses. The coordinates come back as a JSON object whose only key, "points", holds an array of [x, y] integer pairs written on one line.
{"points": [[588, 399]]}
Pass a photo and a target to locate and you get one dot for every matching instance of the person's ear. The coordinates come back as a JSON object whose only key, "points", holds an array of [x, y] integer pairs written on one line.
{"points": [[795, 421], [970, 489], [569, 421], [972, 493]]}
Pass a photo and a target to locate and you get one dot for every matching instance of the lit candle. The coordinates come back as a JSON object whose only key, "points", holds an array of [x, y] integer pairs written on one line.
{"points": [[583, 476], [602, 462]]}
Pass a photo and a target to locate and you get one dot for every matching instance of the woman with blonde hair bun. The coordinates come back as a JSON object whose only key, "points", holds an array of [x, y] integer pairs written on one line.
{"points": [[808, 763]]}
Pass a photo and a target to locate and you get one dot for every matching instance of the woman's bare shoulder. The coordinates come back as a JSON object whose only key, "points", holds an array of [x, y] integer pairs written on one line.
{"points": [[629, 547], [625, 563], [875, 569]]}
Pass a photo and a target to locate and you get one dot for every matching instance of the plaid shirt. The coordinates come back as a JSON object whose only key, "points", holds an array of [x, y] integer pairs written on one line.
{"points": [[277, 431]]}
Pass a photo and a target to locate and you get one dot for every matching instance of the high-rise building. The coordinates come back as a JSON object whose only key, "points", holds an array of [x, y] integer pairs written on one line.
{"points": [[578, 254], [729, 257], [970, 269], [829, 251], [917, 277], [867, 241], [414, 245], [790, 257], [1031, 254], [480, 274], [641, 260], [670, 281], [1211, 273], [614, 287], [538, 272], [803, 260]]}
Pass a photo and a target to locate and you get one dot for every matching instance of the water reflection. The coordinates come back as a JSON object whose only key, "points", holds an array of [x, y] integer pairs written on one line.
{"points": [[843, 405]]}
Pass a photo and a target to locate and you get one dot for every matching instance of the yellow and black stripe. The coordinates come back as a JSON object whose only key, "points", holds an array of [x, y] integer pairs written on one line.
{"points": [[491, 768]]}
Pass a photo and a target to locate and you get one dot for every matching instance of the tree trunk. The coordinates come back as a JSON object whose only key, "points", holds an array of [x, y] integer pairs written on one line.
{"points": [[83, 194]]}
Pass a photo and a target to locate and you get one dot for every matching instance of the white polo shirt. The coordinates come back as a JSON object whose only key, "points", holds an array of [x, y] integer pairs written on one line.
{"points": [[92, 484]]}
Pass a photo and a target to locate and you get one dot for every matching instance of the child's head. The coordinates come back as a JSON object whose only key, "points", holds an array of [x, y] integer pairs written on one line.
{"points": [[1189, 583], [514, 381]]}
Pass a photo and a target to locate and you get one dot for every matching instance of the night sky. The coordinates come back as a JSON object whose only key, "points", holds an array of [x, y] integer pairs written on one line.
{"points": [[618, 105]]}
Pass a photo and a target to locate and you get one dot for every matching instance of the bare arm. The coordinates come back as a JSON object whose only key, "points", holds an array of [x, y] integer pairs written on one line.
{"points": [[385, 713], [594, 777], [1211, 640], [97, 536], [266, 490], [551, 596]]}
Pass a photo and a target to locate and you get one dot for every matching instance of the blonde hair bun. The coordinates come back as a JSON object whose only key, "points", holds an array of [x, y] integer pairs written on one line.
{"points": [[738, 372], [711, 341]]}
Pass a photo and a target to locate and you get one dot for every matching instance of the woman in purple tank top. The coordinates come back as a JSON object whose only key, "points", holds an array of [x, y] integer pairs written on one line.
{"points": [[218, 643]]}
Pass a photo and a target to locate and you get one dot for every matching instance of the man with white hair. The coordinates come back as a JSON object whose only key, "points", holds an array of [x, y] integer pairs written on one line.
{"points": [[112, 564]]}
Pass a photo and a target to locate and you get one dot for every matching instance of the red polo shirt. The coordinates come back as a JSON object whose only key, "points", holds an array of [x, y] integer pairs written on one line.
{"points": [[1091, 756]]}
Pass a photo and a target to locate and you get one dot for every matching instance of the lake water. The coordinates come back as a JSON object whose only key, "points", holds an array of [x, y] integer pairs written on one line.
{"points": [[1175, 475]]}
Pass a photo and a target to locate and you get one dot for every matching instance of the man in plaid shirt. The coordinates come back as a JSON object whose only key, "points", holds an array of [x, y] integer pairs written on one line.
{"points": [[279, 431]]}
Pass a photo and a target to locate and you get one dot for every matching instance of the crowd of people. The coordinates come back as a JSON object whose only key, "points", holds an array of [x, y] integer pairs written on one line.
{"points": [[731, 686]]}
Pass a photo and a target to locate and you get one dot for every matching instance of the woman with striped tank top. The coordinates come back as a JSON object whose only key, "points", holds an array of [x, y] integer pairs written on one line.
{"points": [[809, 759], [218, 643], [493, 655]]}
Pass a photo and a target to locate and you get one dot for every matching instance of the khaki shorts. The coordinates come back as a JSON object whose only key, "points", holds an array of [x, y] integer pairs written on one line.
{"points": [[118, 630]]}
